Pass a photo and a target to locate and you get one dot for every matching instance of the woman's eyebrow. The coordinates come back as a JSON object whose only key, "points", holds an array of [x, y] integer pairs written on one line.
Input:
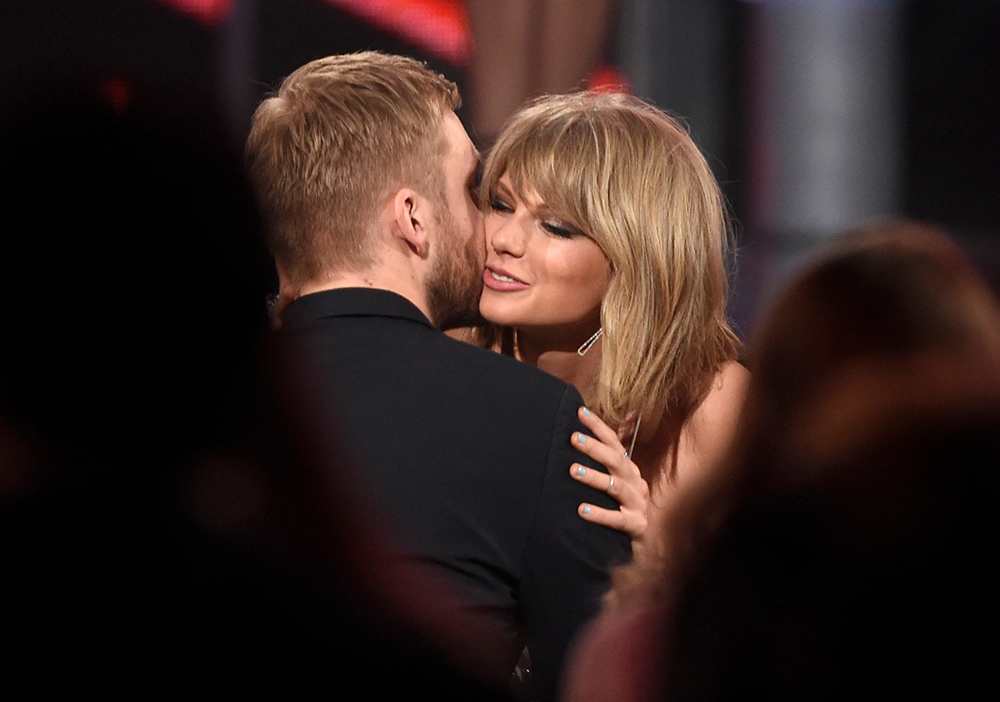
{"points": [[503, 190], [542, 209]]}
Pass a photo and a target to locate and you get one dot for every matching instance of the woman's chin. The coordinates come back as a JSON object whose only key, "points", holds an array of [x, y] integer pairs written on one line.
{"points": [[499, 321], [492, 315]]}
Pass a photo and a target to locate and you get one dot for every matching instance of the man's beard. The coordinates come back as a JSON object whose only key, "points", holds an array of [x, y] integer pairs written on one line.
{"points": [[456, 281]]}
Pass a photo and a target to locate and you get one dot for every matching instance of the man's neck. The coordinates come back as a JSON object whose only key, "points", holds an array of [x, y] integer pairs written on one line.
{"points": [[377, 278]]}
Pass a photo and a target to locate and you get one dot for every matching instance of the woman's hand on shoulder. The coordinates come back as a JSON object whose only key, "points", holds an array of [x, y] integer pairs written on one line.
{"points": [[623, 481]]}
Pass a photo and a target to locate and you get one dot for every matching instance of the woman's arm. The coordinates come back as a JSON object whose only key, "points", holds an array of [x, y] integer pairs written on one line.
{"points": [[705, 438], [709, 431]]}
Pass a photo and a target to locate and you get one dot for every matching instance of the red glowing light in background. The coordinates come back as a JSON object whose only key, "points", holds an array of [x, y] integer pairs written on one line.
{"points": [[608, 79], [440, 27], [208, 12]]}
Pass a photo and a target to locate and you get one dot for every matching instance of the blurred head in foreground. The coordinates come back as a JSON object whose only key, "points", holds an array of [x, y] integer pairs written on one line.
{"points": [[876, 296], [851, 557], [845, 546]]}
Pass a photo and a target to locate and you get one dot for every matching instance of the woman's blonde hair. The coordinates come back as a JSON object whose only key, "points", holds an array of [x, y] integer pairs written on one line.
{"points": [[629, 176]]}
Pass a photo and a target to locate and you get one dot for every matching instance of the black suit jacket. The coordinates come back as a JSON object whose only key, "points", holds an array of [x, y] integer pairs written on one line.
{"points": [[468, 453]]}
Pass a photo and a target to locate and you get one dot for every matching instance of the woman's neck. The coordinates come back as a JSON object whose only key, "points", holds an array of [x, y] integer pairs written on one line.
{"points": [[557, 354]]}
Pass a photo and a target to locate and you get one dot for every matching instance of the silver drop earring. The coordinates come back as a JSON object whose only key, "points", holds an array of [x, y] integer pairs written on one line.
{"points": [[585, 347], [631, 448]]}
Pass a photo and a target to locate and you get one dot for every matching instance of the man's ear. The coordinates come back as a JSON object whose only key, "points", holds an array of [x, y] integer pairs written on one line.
{"points": [[284, 280], [412, 215], [288, 293]]}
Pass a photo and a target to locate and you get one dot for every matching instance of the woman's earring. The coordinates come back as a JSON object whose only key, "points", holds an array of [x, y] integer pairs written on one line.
{"points": [[585, 347]]}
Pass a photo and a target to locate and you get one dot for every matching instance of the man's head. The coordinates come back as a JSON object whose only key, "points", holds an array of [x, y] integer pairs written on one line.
{"points": [[343, 134]]}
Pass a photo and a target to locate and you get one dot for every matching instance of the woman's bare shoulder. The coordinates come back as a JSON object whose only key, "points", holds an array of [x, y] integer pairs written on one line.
{"points": [[709, 430], [725, 398], [704, 440], [714, 421]]}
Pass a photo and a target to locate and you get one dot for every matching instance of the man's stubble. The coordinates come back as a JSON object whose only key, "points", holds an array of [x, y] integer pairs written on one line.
{"points": [[456, 281]]}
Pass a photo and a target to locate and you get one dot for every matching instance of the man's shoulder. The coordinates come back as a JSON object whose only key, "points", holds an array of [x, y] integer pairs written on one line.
{"points": [[376, 338], [496, 366]]}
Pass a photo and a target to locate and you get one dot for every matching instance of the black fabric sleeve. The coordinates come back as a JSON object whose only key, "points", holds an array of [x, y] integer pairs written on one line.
{"points": [[568, 559]]}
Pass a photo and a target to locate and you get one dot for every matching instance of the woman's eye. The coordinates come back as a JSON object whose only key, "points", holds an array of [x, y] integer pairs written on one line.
{"points": [[500, 206], [560, 229]]}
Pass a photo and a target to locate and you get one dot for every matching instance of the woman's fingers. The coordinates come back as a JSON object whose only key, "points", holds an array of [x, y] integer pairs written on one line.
{"points": [[626, 486], [622, 481], [595, 479], [632, 523], [611, 457], [601, 430]]}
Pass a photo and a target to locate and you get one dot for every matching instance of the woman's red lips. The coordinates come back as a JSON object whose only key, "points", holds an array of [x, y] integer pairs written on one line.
{"points": [[499, 279]]}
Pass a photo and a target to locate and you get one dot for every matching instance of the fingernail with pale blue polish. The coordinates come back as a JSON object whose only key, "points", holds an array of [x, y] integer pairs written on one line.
{"points": [[581, 471], [586, 510], [586, 412], [582, 438]]}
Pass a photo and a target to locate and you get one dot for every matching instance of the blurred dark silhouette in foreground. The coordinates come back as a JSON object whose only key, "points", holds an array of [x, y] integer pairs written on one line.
{"points": [[859, 519], [167, 515]]}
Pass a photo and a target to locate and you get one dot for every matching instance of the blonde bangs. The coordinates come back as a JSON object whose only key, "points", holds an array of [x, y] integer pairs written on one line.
{"points": [[541, 155]]}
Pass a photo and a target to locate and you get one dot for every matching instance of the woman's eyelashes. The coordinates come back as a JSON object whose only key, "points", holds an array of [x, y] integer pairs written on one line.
{"points": [[499, 205], [560, 229], [555, 227]]}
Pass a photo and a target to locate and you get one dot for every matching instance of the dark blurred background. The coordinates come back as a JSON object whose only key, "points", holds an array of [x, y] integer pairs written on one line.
{"points": [[817, 115]]}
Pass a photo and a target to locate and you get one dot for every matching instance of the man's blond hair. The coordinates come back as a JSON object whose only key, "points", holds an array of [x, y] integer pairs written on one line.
{"points": [[342, 134]]}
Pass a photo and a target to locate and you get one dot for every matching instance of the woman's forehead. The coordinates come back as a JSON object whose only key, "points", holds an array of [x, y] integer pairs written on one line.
{"points": [[537, 181]]}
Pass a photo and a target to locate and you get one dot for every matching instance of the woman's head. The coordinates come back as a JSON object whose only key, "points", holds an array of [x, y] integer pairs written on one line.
{"points": [[628, 178]]}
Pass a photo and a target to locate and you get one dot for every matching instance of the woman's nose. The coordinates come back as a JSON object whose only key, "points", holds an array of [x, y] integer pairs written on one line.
{"points": [[505, 235]]}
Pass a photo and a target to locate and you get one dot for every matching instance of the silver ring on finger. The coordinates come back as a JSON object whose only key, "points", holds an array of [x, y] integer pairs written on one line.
{"points": [[611, 484]]}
